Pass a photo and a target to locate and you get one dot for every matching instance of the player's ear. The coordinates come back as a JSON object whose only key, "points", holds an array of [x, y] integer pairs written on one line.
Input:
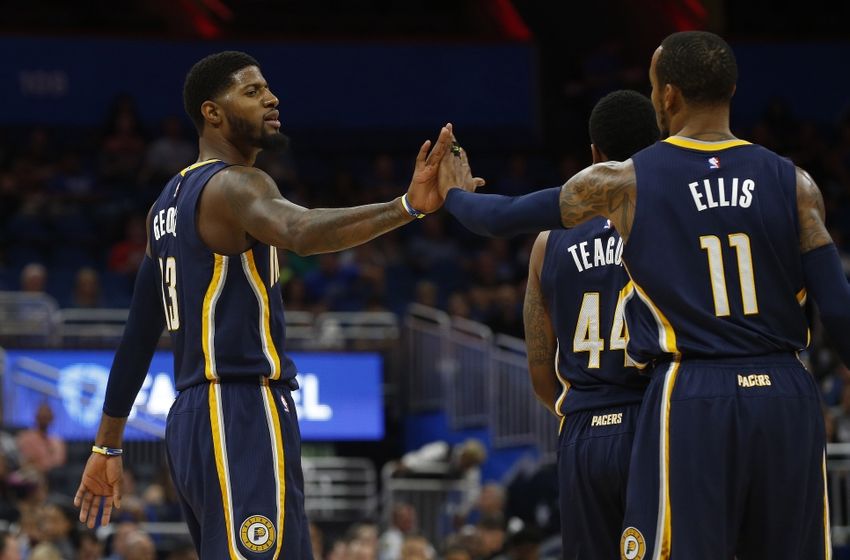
{"points": [[671, 96], [211, 112]]}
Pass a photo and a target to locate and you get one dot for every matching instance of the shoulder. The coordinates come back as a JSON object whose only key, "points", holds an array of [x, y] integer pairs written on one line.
{"points": [[538, 252], [239, 176]]}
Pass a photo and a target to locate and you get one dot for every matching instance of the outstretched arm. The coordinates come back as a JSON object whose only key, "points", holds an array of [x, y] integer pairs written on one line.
{"points": [[539, 334], [494, 215], [257, 207], [824, 276]]}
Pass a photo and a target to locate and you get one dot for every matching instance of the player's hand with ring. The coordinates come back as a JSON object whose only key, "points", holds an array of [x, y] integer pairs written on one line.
{"points": [[455, 172]]}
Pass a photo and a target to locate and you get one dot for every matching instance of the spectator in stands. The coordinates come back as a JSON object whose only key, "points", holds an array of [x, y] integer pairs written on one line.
{"points": [[362, 542], [33, 278], [58, 528], [491, 502], [402, 523], [123, 147], [183, 552], [90, 547], [168, 154], [121, 539], [46, 551], [416, 547], [426, 293], [87, 289], [491, 529], [331, 285], [38, 449], [456, 552], [140, 546], [126, 255], [10, 546]]}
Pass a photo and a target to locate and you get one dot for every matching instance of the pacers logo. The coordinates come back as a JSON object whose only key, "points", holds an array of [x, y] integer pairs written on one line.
{"points": [[257, 533], [632, 545]]}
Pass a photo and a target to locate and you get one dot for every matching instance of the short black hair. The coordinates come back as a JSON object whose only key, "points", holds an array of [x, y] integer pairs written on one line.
{"points": [[623, 123], [208, 78], [699, 63]]}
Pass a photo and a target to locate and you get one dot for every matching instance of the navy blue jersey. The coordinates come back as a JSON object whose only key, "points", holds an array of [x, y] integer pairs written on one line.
{"points": [[224, 312], [585, 288], [714, 252]]}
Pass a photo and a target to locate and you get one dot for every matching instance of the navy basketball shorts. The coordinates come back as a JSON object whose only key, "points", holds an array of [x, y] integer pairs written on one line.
{"points": [[593, 463], [728, 462], [234, 450]]}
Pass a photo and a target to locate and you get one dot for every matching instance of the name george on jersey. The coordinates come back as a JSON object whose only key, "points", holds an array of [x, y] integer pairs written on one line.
{"points": [[165, 222], [602, 253], [720, 193]]}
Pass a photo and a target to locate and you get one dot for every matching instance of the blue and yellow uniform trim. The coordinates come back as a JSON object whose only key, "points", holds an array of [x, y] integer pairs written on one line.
{"points": [[702, 146]]}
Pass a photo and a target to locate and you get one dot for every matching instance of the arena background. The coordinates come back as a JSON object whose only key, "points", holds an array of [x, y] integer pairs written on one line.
{"points": [[412, 339]]}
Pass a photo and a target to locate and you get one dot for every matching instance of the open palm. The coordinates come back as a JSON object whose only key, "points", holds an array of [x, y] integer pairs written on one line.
{"points": [[423, 194]]}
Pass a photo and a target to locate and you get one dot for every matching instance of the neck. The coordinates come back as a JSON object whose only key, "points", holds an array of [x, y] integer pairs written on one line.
{"points": [[703, 123], [218, 147]]}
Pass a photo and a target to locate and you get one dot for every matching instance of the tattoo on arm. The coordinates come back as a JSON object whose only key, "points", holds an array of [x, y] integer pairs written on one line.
{"points": [[538, 339], [605, 189], [257, 205], [811, 213]]}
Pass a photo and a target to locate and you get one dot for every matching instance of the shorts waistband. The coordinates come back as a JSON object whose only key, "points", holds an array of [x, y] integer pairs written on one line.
{"points": [[775, 358], [289, 383]]}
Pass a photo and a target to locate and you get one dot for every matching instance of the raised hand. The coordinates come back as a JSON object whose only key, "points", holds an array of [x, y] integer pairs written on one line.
{"points": [[422, 193], [456, 173], [101, 481]]}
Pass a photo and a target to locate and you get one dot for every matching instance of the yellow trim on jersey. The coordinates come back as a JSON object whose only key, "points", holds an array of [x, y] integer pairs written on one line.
{"points": [[703, 146], [275, 432], [827, 537], [196, 165], [565, 385], [208, 314], [663, 530], [221, 466], [666, 334], [262, 294]]}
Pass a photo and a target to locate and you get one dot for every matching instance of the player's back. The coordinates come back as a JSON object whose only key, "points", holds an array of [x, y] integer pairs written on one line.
{"points": [[714, 251], [224, 312], [585, 287]]}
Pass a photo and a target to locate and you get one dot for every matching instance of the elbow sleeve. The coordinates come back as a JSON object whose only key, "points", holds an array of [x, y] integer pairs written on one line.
{"points": [[493, 215]]}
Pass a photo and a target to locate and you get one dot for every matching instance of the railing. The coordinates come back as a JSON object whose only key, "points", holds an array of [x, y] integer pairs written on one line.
{"points": [[340, 489], [469, 378], [427, 342], [478, 379], [29, 320]]}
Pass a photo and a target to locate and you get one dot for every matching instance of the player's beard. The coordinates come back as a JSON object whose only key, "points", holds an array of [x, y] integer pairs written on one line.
{"points": [[257, 137]]}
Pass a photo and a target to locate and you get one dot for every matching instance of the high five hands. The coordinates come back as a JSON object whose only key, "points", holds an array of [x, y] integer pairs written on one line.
{"points": [[435, 173]]}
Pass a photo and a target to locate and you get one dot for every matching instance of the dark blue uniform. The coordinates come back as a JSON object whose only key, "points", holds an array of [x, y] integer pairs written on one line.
{"points": [[232, 435], [585, 287], [728, 455]]}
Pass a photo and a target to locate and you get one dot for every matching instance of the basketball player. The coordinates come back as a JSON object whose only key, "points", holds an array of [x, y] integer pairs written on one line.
{"points": [[211, 278], [576, 335], [723, 239]]}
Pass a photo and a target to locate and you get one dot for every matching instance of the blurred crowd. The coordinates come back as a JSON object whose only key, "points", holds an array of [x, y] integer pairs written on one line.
{"points": [[488, 521], [73, 206]]}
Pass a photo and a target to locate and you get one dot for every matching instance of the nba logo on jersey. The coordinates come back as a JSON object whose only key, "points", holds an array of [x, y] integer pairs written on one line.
{"points": [[714, 163]]}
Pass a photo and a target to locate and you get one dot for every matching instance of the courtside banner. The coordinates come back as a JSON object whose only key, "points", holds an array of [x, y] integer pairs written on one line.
{"points": [[340, 396]]}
